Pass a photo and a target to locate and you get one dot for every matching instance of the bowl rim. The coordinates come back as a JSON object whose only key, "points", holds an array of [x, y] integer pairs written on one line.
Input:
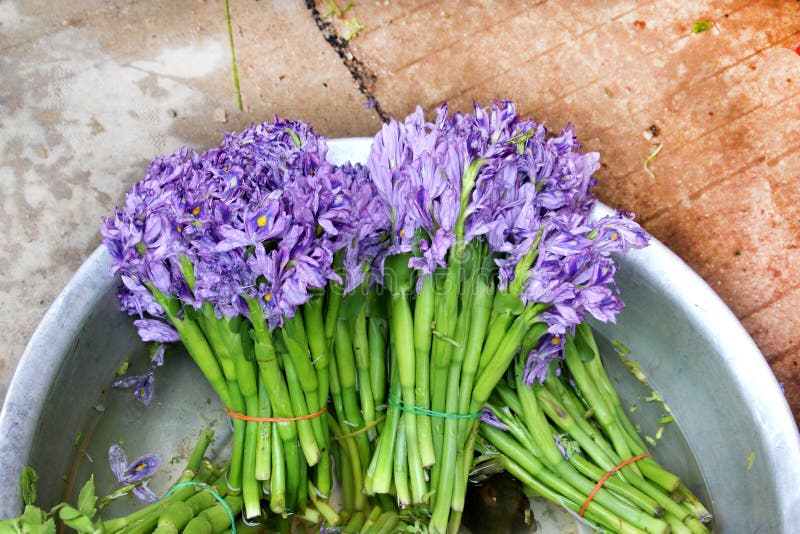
{"points": [[38, 366]]}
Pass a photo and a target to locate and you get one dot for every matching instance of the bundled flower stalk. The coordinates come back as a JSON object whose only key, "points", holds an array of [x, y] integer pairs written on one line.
{"points": [[492, 254], [355, 321], [243, 254], [540, 433]]}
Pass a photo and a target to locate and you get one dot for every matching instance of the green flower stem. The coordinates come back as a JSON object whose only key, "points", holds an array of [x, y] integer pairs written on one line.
{"points": [[497, 366], [602, 413], [594, 471], [401, 469], [344, 476], [302, 490], [330, 515], [690, 501], [402, 331], [423, 320], [351, 452], [346, 367], [251, 489], [695, 526], [196, 345], [479, 321], [676, 525], [361, 353], [377, 337], [296, 341], [594, 512], [277, 480], [305, 432], [379, 473], [542, 434], [356, 522], [498, 327], [571, 488], [466, 461], [315, 331], [216, 518], [293, 472], [270, 372], [336, 392], [263, 461], [173, 518], [440, 361]]}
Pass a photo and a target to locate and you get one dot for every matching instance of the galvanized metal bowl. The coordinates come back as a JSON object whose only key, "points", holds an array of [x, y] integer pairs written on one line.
{"points": [[734, 441]]}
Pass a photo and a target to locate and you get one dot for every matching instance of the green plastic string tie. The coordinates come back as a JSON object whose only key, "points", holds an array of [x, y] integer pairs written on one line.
{"points": [[398, 403], [213, 493]]}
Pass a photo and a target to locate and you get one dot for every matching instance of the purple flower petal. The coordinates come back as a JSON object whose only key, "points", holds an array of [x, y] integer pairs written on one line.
{"points": [[143, 467], [157, 357], [144, 493], [117, 461], [143, 391], [153, 330]]}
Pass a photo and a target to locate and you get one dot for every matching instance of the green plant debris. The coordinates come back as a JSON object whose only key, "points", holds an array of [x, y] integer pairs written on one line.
{"points": [[608, 92], [633, 408], [620, 347], [659, 431], [650, 440], [750, 458], [335, 11], [650, 158], [666, 419], [352, 28], [233, 58], [123, 368], [27, 485], [654, 397], [635, 368], [78, 437], [700, 26]]}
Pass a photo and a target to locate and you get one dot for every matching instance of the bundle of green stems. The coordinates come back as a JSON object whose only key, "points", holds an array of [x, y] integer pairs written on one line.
{"points": [[562, 437]]}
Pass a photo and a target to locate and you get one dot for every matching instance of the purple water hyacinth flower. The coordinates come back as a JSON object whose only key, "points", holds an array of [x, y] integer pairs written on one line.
{"points": [[561, 448], [154, 330], [140, 469], [157, 356], [549, 348], [489, 417], [142, 386]]}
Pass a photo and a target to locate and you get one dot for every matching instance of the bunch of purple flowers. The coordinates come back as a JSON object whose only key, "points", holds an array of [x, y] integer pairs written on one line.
{"points": [[465, 244], [222, 251], [492, 243]]}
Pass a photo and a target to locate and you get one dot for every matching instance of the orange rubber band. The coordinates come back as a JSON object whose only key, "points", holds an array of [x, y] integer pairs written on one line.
{"points": [[605, 477], [243, 417]]}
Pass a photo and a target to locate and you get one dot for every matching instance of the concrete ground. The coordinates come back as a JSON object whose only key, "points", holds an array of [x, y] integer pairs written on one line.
{"points": [[91, 91]]}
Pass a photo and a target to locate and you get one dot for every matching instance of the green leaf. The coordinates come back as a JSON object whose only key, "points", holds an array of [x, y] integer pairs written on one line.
{"points": [[76, 520], [87, 498], [27, 483], [700, 26], [33, 515], [351, 306], [508, 303]]}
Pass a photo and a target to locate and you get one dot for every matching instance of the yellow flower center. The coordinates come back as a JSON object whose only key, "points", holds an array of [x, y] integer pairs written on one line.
{"points": [[261, 221], [268, 297], [555, 341], [614, 236], [196, 211]]}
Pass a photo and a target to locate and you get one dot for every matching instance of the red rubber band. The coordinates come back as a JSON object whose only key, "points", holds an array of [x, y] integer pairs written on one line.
{"points": [[243, 417], [605, 477]]}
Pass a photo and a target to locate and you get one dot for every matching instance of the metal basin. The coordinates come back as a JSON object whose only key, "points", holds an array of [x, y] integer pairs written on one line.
{"points": [[734, 441]]}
